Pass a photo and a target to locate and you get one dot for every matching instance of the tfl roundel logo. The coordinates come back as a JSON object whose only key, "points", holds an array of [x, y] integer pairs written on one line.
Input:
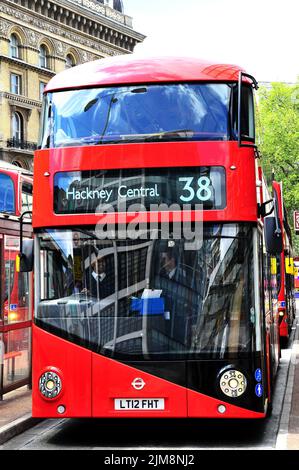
{"points": [[138, 383]]}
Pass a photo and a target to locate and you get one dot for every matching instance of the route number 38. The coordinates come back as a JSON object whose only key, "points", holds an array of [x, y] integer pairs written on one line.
{"points": [[203, 192]]}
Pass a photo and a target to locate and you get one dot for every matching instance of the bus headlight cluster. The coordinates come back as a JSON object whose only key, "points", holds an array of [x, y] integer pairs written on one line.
{"points": [[50, 384], [233, 383]]}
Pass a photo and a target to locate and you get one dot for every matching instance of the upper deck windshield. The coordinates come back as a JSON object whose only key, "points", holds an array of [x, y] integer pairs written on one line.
{"points": [[145, 113]]}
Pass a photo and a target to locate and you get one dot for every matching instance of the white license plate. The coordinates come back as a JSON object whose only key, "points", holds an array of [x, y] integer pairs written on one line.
{"points": [[139, 404]]}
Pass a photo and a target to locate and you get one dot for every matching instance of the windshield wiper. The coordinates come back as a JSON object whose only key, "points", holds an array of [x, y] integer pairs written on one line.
{"points": [[176, 134], [126, 139]]}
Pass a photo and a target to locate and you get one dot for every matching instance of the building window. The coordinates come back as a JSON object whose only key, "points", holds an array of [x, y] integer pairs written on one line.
{"points": [[44, 59], [15, 51], [70, 61], [17, 127], [17, 163], [16, 84], [118, 5], [42, 86]]}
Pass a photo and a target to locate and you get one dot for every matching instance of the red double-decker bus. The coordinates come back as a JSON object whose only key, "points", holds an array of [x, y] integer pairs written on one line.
{"points": [[16, 289], [133, 317], [285, 270]]}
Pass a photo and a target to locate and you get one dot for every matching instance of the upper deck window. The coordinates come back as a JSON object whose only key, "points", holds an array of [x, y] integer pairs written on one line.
{"points": [[145, 113], [7, 194]]}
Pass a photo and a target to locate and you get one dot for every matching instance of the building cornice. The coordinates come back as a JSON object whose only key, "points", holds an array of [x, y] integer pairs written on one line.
{"points": [[21, 63], [43, 23], [20, 100], [69, 7], [101, 10]]}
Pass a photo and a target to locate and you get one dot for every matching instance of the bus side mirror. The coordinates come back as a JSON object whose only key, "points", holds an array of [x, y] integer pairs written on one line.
{"points": [[273, 236], [26, 258]]}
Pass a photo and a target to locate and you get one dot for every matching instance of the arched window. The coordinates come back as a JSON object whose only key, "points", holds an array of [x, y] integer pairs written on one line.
{"points": [[44, 59], [15, 50], [17, 163], [70, 61], [17, 127]]}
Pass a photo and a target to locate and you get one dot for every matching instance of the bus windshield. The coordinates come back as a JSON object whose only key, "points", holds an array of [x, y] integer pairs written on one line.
{"points": [[173, 112], [150, 298], [7, 194]]}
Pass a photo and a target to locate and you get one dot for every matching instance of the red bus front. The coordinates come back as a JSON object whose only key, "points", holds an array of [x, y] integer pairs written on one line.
{"points": [[149, 249]]}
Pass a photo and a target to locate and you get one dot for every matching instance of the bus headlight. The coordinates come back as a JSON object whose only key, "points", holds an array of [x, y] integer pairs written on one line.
{"points": [[50, 384], [233, 383]]}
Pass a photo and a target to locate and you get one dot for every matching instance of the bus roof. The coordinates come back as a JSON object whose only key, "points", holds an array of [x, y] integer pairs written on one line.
{"points": [[14, 168], [132, 69]]}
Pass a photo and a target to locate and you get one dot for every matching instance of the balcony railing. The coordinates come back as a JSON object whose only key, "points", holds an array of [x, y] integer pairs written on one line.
{"points": [[21, 144]]}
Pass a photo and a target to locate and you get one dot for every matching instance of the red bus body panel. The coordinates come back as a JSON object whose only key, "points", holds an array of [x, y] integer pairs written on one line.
{"points": [[241, 205], [91, 382], [112, 379], [73, 364], [129, 70]]}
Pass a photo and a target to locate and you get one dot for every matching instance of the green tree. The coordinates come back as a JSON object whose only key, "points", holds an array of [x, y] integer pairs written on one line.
{"points": [[278, 138]]}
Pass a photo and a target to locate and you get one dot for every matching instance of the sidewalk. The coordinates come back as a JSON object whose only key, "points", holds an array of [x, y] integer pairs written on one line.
{"points": [[15, 413], [288, 436]]}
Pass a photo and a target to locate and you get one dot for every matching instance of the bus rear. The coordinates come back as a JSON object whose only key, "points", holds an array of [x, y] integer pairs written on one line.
{"points": [[154, 290]]}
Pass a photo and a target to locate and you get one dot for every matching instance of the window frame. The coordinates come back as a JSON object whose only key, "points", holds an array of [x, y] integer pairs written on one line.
{"points": [[17, 132], [14, 45], [16, 88], [44, 57]]}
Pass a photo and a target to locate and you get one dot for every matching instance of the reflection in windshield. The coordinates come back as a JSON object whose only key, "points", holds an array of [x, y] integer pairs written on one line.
{"points": [[129, 114], [149, 298], [7, 194]]}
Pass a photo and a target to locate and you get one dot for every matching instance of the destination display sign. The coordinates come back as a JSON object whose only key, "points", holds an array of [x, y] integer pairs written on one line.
{"points": [[86, 192]]}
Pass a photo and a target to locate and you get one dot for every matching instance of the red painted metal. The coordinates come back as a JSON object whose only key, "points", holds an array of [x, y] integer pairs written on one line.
{"points": [[15, 326], [201, 406], [73, 365], [240, 182], [111, 379], [130, 69], [91, 382]]}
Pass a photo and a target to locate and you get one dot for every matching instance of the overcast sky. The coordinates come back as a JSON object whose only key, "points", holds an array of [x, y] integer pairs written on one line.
{"points": [[260, 35]]}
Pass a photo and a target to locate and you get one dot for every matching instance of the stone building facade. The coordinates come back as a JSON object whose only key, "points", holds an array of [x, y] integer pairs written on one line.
{"points": [[39, 38]]}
